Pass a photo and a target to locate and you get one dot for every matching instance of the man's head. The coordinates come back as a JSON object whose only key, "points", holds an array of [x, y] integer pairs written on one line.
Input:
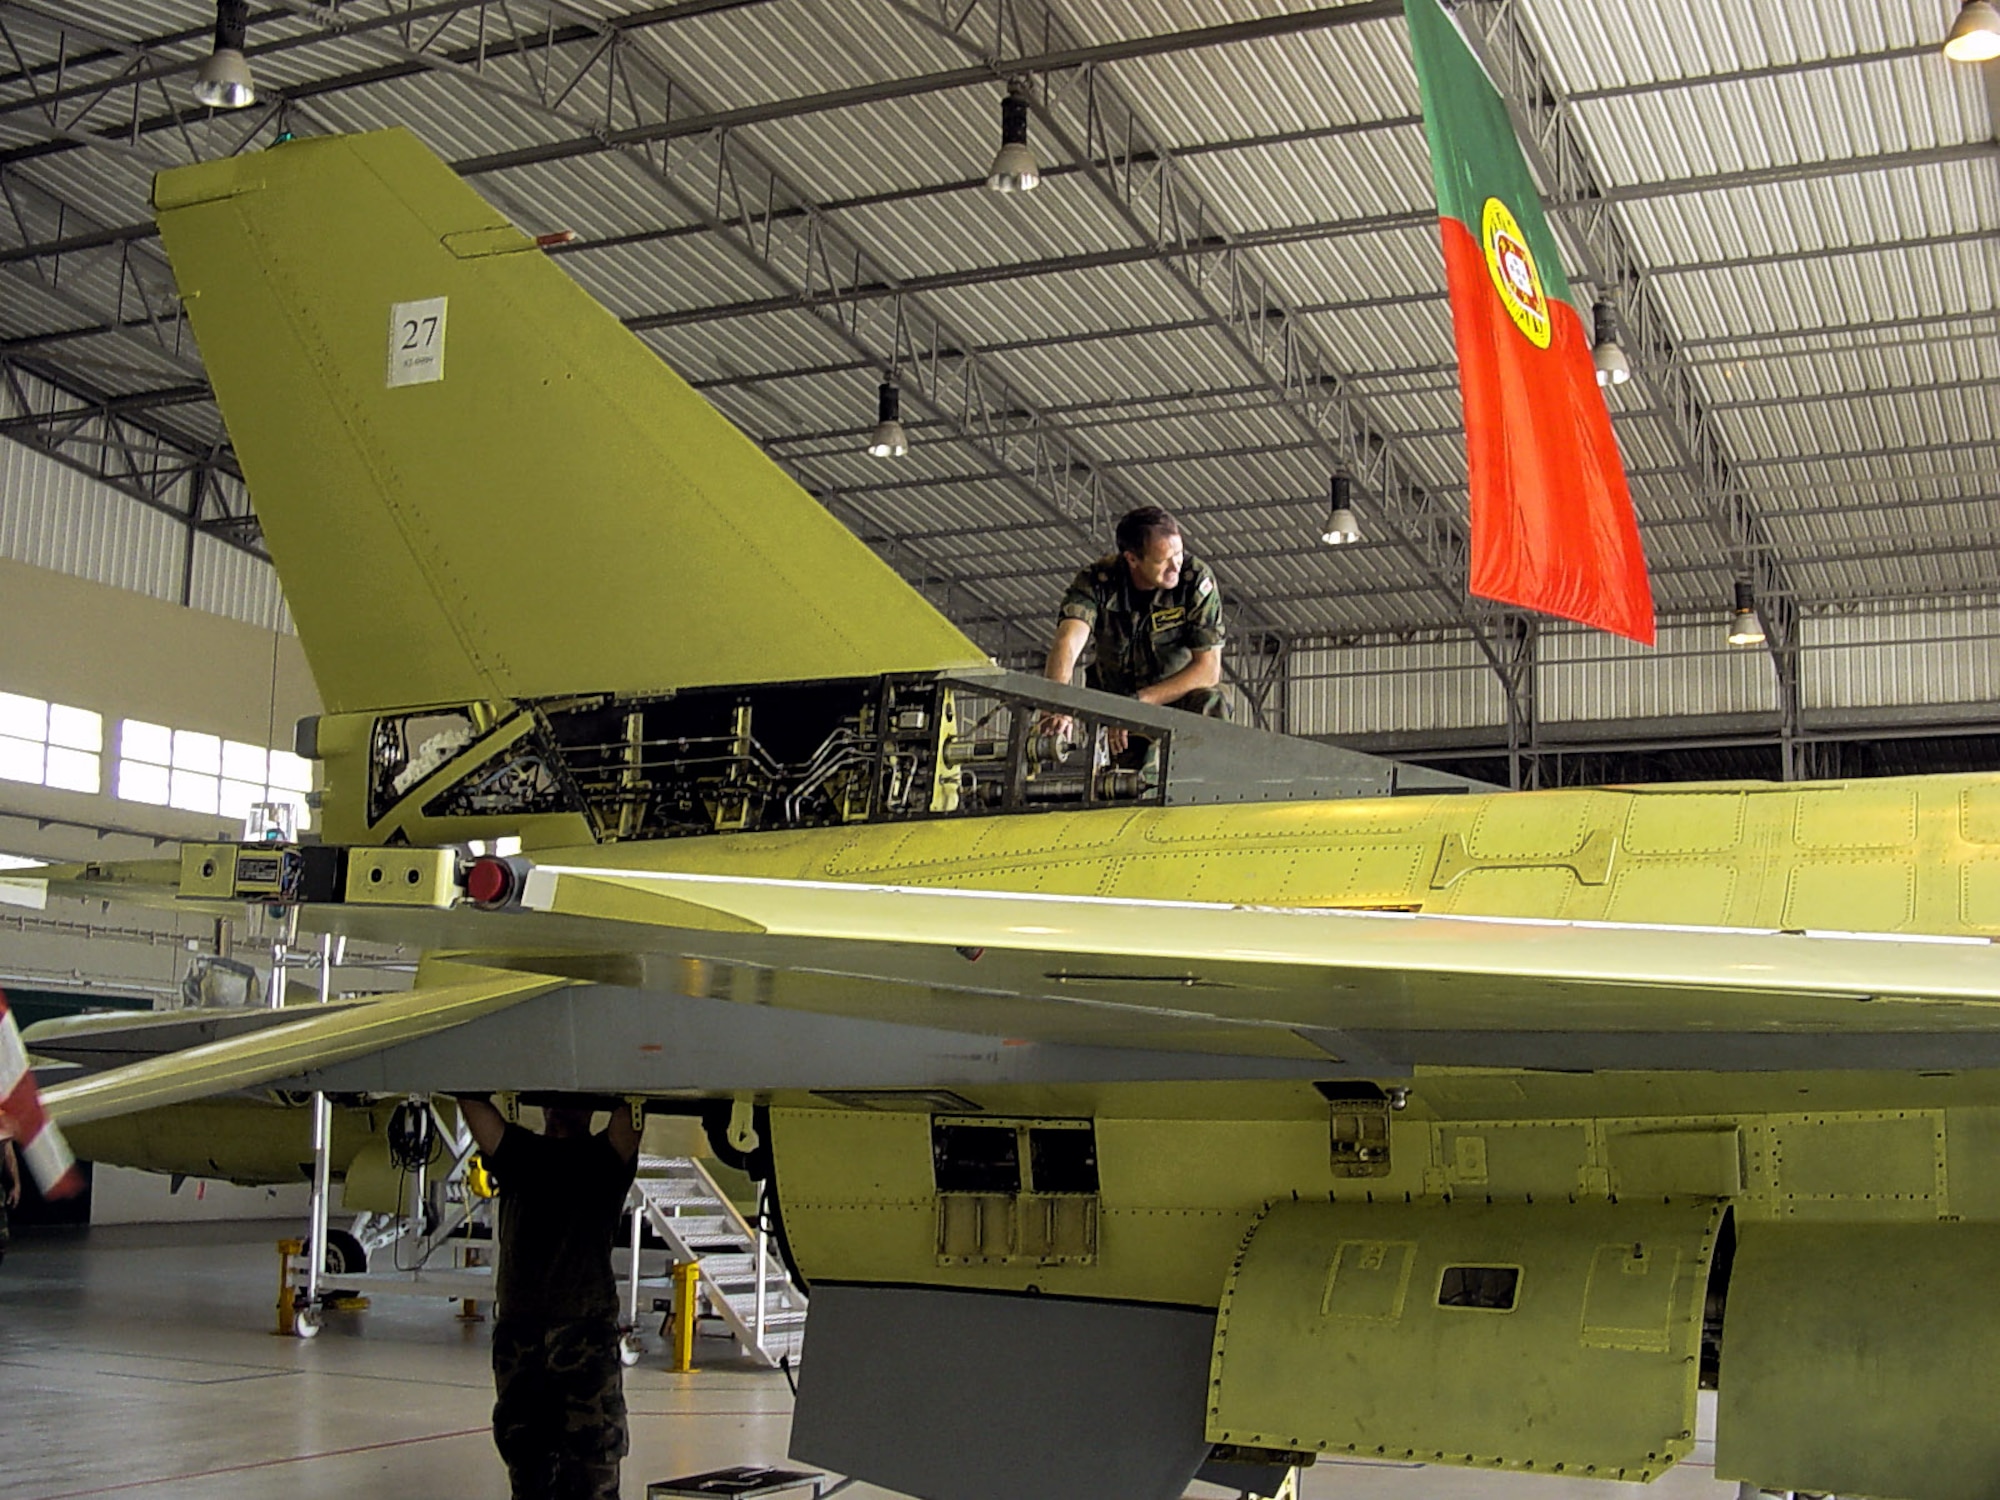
{"points": [[1150, 541], [565, 1120]]}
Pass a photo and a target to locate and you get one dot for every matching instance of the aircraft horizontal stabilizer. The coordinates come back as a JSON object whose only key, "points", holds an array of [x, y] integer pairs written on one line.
{"points": [[317, 1039], [475, 482]]}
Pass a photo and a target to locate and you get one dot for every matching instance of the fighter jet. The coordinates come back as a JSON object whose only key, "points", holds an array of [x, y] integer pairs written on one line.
{"points": [[1260, 1103]]}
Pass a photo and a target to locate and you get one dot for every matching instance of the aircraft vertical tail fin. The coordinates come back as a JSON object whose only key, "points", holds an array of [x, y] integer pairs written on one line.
{"points": [[475, 482]]}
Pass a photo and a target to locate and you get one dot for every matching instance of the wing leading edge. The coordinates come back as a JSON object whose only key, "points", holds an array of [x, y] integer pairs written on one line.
{"points": [[316, 1039]]}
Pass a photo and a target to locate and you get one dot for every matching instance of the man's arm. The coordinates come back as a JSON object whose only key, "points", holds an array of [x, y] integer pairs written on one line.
{"points": [[624, 1130], [485, 1122], [1205, 671], [1072, 635], [12, 1163]]}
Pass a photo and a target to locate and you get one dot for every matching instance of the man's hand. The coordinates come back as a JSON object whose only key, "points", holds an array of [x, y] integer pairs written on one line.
{"points": [[1116, 739]]}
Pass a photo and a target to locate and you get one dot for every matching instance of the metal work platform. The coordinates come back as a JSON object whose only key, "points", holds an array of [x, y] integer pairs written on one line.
{"points": [[742, 1280]]}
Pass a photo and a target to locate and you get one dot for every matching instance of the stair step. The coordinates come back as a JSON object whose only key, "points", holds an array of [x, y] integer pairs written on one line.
{"points": [[691, 1193], [691, 1232], [776, 1322]]}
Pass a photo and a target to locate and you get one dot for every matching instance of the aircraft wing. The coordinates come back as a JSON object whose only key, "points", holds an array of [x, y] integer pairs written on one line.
{"points": [[320, 1037], [1119, 985], [1298, 969]]}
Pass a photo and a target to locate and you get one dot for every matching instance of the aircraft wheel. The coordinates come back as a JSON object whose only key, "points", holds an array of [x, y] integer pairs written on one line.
{"points": [[344, 1255], [306, 1324], [629, 1350]]}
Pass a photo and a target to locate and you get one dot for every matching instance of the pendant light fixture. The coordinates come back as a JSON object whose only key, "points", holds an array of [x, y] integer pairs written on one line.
{"points": [[1745, 629], [890, 440], [1608, 354], [223, 80], [1014, 168], [1975, 35], [1341, 526]]}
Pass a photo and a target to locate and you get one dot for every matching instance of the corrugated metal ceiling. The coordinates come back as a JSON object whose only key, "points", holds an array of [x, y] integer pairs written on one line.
{"points": [[1838, 308]]}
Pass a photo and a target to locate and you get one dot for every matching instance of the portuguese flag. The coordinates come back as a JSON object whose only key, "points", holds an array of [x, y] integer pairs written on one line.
{"points": [[1552, 522]]}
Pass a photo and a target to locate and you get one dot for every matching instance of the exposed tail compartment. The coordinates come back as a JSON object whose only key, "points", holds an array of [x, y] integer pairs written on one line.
{"points": [[476, 483]]}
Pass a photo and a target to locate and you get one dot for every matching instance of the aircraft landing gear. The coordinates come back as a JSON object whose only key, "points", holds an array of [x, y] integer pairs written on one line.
{"points": [[344, 1255]]}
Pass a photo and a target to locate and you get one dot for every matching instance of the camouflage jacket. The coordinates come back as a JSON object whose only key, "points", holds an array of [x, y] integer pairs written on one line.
{"points": [[1143, 636]]}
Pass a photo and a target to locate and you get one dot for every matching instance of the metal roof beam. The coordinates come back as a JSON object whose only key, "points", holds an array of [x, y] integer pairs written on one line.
{"points": [[690, 317], [111, 406], [1274, 235], [152, 71], [1875, 503], [145, 308], [1757, 75], [1207, 245], [1802, 171], [109, 111], [65, 419], [121, 445], [1311, 503], [1672, 187], [666, 118], [1812, 398], [1931, 325], [1867, 455], [694, 120]]}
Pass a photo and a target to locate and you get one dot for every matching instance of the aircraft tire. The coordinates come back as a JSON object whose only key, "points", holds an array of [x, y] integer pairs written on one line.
{"points": [[344, 1255]]}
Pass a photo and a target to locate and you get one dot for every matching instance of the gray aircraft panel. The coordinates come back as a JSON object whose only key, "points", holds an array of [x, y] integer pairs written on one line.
{"points": [[955, 1395], [609, 1039]]}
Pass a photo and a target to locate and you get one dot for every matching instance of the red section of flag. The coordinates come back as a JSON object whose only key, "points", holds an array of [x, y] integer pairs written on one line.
{"points": [[23, 1120], [1552, 522]]}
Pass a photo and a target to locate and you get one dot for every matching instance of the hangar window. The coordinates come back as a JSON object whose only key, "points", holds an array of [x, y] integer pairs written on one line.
{"points": [[1480, 1288], [50, 744], [205, 773]]}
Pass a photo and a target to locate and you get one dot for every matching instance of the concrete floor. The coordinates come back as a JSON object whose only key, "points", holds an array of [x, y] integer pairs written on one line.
{"points": [[139, 1361]]}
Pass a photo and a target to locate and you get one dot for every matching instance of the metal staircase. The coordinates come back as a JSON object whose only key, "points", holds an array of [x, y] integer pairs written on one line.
{"points": [[743, 1279]]}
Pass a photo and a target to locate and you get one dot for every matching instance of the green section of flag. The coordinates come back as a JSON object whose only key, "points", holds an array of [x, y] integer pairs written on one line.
{"points": [[1475, 154]]}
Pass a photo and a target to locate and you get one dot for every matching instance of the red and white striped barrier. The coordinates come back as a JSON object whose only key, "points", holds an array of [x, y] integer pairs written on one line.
{"points": [[23, 1120]]}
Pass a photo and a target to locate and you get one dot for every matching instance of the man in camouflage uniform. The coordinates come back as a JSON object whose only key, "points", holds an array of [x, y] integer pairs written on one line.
{"points": [[559, 1412], [1156, 615]]}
